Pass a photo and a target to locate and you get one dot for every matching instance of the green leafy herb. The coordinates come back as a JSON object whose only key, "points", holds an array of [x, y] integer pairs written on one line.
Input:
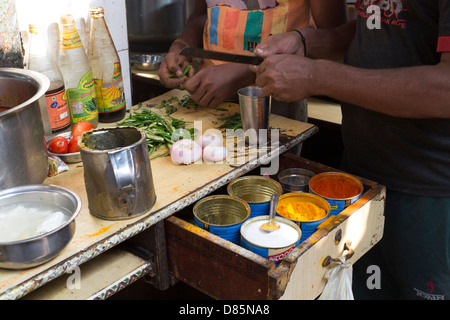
{"points": [[159, 129]]}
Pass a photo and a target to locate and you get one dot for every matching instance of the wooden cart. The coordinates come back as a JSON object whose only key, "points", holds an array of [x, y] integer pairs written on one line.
{"points": [[164, 244]]}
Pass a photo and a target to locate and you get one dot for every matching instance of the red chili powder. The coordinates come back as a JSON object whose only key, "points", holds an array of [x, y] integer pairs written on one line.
{"points": [[335, 188]]}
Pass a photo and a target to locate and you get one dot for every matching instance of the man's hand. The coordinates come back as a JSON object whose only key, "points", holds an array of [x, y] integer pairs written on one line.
{"points": [[288, 43], [215, 84], [171, 70], [286, 77]]}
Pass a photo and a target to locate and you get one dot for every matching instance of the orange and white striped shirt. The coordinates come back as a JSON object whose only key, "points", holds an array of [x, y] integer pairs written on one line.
{"points": [[238, 26]]}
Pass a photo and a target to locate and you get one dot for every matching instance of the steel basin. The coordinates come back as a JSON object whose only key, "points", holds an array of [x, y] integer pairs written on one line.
{"points": [[24, 158], [35, 251]]}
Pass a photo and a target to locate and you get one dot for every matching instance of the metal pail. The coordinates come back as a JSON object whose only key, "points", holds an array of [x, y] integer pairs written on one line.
{"points": [[340, 203], [117, 172], [222, 215], [274, 245], [256, 191]]}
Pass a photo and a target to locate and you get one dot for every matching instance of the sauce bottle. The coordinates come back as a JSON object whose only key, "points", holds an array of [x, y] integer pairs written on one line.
{"points": [[106, 69], [57, 114], [76, 69]]}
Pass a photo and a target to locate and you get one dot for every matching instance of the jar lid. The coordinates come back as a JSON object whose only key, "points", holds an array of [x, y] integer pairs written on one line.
{"points": [[97, 12]]}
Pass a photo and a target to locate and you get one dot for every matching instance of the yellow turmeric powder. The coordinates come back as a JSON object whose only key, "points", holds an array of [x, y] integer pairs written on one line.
{"points": [[301, 211]]}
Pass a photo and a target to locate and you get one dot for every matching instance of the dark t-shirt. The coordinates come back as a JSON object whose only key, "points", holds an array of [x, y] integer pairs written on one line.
{"points": [[407, 155]]}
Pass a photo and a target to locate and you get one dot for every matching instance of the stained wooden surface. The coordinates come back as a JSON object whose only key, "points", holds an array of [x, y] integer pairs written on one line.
{"points": [[176, 187]]}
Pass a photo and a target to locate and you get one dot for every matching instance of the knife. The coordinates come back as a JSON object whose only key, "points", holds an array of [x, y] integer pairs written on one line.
{"points": [[222, 56]]}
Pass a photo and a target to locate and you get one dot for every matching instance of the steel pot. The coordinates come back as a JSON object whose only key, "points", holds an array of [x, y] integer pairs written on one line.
{"points": [[37, 250], [24, 158]]}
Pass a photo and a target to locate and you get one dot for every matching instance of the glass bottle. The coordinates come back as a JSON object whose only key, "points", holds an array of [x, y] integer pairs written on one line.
{"points": [[76, 69], [57, 114], [106, 68]]}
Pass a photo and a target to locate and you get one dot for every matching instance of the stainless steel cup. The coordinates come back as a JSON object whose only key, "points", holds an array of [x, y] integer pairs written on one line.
{"points": [[255, 111], [117, 172]]}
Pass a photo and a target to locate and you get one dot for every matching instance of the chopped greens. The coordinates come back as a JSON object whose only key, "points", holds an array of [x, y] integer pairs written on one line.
{"points": [[232, 122], [160, 130]]}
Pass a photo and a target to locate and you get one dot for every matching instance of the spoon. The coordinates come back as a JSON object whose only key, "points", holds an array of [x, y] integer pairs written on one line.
{"points": [[271, 225]]}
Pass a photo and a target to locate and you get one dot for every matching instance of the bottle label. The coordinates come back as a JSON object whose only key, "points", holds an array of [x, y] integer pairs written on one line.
{"points": [[71, 39], [58, 109], [110, 96], [82, 100]]}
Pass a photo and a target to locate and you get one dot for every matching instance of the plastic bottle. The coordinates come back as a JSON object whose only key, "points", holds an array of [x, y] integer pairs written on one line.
{"points": [[54, 109], [76, 69], [107, 70]]}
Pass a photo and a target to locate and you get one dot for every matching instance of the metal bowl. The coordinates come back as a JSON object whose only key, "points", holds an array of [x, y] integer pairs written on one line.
{"points": [[147, 62], [66, 157], [31, 252]]}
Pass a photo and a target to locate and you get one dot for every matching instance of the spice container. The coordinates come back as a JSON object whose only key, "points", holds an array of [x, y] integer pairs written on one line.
{"points": [[222, 215], [339, 189], [306, 210], [256, 191], [295, 180], [274, 245]]}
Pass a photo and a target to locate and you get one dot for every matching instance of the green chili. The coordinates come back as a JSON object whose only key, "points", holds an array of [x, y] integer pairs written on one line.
{"points": [[185, 72]]}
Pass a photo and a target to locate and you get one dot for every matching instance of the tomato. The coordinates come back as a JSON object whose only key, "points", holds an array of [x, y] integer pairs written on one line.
{"points": [[73, 145], [80, 127], [58, 145]]}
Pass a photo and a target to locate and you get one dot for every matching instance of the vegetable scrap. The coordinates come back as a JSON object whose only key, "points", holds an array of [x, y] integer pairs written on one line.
{"points": [[301, 210]]}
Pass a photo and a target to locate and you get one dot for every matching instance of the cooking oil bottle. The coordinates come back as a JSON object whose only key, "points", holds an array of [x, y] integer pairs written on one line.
{"points": [[106, 68], [41, 60], [76, 69]]}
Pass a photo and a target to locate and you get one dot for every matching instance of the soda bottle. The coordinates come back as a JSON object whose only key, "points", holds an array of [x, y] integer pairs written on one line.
{"points": [[107, 70], [76, 69], [41, 60]]}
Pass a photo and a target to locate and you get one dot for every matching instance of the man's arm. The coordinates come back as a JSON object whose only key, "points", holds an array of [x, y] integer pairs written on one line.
{"points": [[329, 44], [411, 92], [192, 36]]}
